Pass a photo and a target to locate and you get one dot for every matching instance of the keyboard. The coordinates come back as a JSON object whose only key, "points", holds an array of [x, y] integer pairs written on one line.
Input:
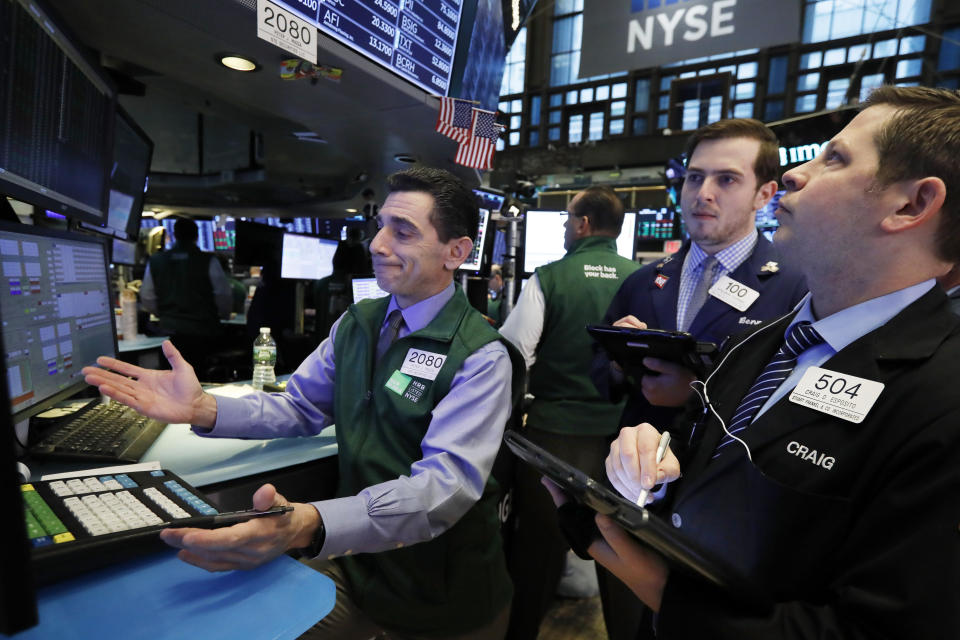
{"points": [[99, 432], [79, 524]]}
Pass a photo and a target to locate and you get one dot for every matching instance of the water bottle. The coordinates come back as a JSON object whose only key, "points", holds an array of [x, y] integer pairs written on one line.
{"points": [[264, 359]]}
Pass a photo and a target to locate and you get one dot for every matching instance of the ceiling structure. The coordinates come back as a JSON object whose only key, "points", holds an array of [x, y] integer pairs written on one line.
{"points": [[252, 143]]}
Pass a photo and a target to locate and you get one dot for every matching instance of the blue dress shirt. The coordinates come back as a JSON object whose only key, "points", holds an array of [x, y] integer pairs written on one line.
{"points": [[458, 448]]}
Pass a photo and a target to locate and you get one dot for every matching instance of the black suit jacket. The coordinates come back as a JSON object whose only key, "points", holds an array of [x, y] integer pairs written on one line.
{"points": [[640, 294], [863, 546]]}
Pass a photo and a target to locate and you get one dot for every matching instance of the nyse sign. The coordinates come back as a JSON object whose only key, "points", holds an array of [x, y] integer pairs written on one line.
{"points": [[619, 35]]}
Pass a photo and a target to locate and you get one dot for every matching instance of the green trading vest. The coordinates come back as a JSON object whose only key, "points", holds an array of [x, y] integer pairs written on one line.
{"points": [[577, 290], [185, 302], [458, 581]]}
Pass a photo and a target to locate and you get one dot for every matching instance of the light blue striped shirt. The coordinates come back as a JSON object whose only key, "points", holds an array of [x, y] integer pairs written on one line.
{"points": [[728, 260]]}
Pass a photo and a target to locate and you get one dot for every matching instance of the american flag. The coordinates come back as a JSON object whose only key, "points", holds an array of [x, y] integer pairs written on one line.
{"points": [[454, 119], [477, 150]]}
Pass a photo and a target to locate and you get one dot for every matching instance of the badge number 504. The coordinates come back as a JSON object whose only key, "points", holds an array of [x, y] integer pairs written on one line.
{"points": [[286, 30]]}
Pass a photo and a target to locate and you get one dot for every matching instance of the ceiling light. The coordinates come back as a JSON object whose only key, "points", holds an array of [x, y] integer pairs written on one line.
{"points": [[406, 158], [351, 210], [238, 63]]}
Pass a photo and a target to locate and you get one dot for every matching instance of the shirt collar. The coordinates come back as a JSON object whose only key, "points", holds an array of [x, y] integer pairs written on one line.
{"points": [[729, 258], [419, 315], [843, 327]]}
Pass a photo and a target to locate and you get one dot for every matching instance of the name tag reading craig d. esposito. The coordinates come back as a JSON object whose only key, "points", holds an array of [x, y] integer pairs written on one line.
{"points": [[423, 364], [837, 394]]}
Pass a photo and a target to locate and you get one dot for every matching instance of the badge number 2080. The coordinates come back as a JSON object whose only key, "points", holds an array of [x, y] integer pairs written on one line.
{"points": [[286, 30], [423, 364]]}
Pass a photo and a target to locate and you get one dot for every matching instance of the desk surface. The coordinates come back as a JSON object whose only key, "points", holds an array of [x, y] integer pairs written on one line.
{"points": [[160, 597]]}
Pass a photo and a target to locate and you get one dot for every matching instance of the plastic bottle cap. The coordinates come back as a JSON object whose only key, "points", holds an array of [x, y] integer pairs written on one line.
{"points": [[264, 329]]}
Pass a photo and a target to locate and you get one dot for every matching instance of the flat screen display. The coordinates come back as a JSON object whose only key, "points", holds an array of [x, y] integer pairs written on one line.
{"points": [[123, 252], [132, 152], [56, 313], [543, 238], [56, 117], [489, 199], [364, 288], [655, 223], [415, 39], [205, 235], [306, 257], [479, 257], [767, 222]]}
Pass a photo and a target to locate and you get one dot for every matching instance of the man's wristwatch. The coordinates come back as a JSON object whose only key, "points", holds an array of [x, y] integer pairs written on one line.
{"points": [[312, 550]]}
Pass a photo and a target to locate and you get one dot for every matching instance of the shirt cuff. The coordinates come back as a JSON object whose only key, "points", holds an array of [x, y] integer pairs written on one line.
{"points": [[230, 414], [347, 523]]}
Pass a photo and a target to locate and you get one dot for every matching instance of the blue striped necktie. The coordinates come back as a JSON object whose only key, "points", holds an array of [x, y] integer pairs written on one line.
{"points": [[801, 337]]}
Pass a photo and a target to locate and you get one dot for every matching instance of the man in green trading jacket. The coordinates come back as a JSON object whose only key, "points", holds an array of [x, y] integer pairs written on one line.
{"points": [[419, 386], [567, 416]]}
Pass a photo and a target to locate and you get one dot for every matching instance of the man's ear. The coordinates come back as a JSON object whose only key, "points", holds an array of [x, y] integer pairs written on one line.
{"points": [[765, 193], [920, 202], [458, 250]]}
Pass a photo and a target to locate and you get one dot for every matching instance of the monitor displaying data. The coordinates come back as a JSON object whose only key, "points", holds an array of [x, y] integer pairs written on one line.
{"points": [[56, 313], [364, 288], [132, 152], [224, 233], [767, 221], [205, 231], [415, 40], [489, 199], [543, 237], [306, 257], [123, 252], [479, 258], [655, 223]]}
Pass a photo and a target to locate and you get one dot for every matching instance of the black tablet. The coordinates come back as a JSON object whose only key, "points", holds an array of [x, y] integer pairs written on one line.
{"points": [[628, 347], [641, 523]]}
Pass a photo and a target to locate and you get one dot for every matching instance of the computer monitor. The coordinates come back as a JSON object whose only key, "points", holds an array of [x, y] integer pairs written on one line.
{"points": [[132, 153], [306, 257], [56, 313], [489, 199], [478, 262], [205, 231], [56, 115], [655, 223], [224, 234], [543, 237], [18, 603], [767, 221], [364, 288], [123, 252]]}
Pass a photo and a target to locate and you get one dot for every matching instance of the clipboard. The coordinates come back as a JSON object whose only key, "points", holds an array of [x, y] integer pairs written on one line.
{"points": [[629, 346], [645, 526]]}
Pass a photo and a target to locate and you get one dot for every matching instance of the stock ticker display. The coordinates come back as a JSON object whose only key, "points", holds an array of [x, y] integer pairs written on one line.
{"points": [[416, 39]]}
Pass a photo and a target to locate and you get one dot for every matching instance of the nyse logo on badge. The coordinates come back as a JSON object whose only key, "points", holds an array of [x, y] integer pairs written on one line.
{"points": [[660, 281]]}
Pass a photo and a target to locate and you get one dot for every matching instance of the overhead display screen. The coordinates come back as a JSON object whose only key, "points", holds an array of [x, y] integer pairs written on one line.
{"points": [[413, 38]]}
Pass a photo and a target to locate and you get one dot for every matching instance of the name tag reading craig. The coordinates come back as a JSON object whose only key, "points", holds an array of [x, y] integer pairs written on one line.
{"points": [[423, 364], [837, 394], [739, 296]]}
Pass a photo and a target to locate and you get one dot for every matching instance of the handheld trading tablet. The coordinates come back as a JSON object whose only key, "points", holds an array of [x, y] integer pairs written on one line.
{"points": [[643, 525], [629, 346], [90, 521]]}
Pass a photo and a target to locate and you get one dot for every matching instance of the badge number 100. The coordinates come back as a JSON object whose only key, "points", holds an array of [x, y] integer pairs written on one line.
{"points": [[286, 30]]}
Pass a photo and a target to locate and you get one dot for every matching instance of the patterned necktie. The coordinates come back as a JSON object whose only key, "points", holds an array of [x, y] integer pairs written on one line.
{"points": [[699, 295], [801, 337], [389, 334]]}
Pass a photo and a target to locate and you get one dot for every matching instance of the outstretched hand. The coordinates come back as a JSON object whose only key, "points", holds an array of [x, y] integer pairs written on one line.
{"points": [[171, 396], [248, 544]]}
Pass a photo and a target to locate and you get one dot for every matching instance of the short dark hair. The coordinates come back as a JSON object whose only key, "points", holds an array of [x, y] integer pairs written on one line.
{"points": [[767, 165], [185, 231], [604, 208], [920, 140], [455, 213]]}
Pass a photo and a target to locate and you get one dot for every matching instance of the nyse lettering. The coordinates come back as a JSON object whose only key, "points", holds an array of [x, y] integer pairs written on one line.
{"points": [[663, 29]]}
